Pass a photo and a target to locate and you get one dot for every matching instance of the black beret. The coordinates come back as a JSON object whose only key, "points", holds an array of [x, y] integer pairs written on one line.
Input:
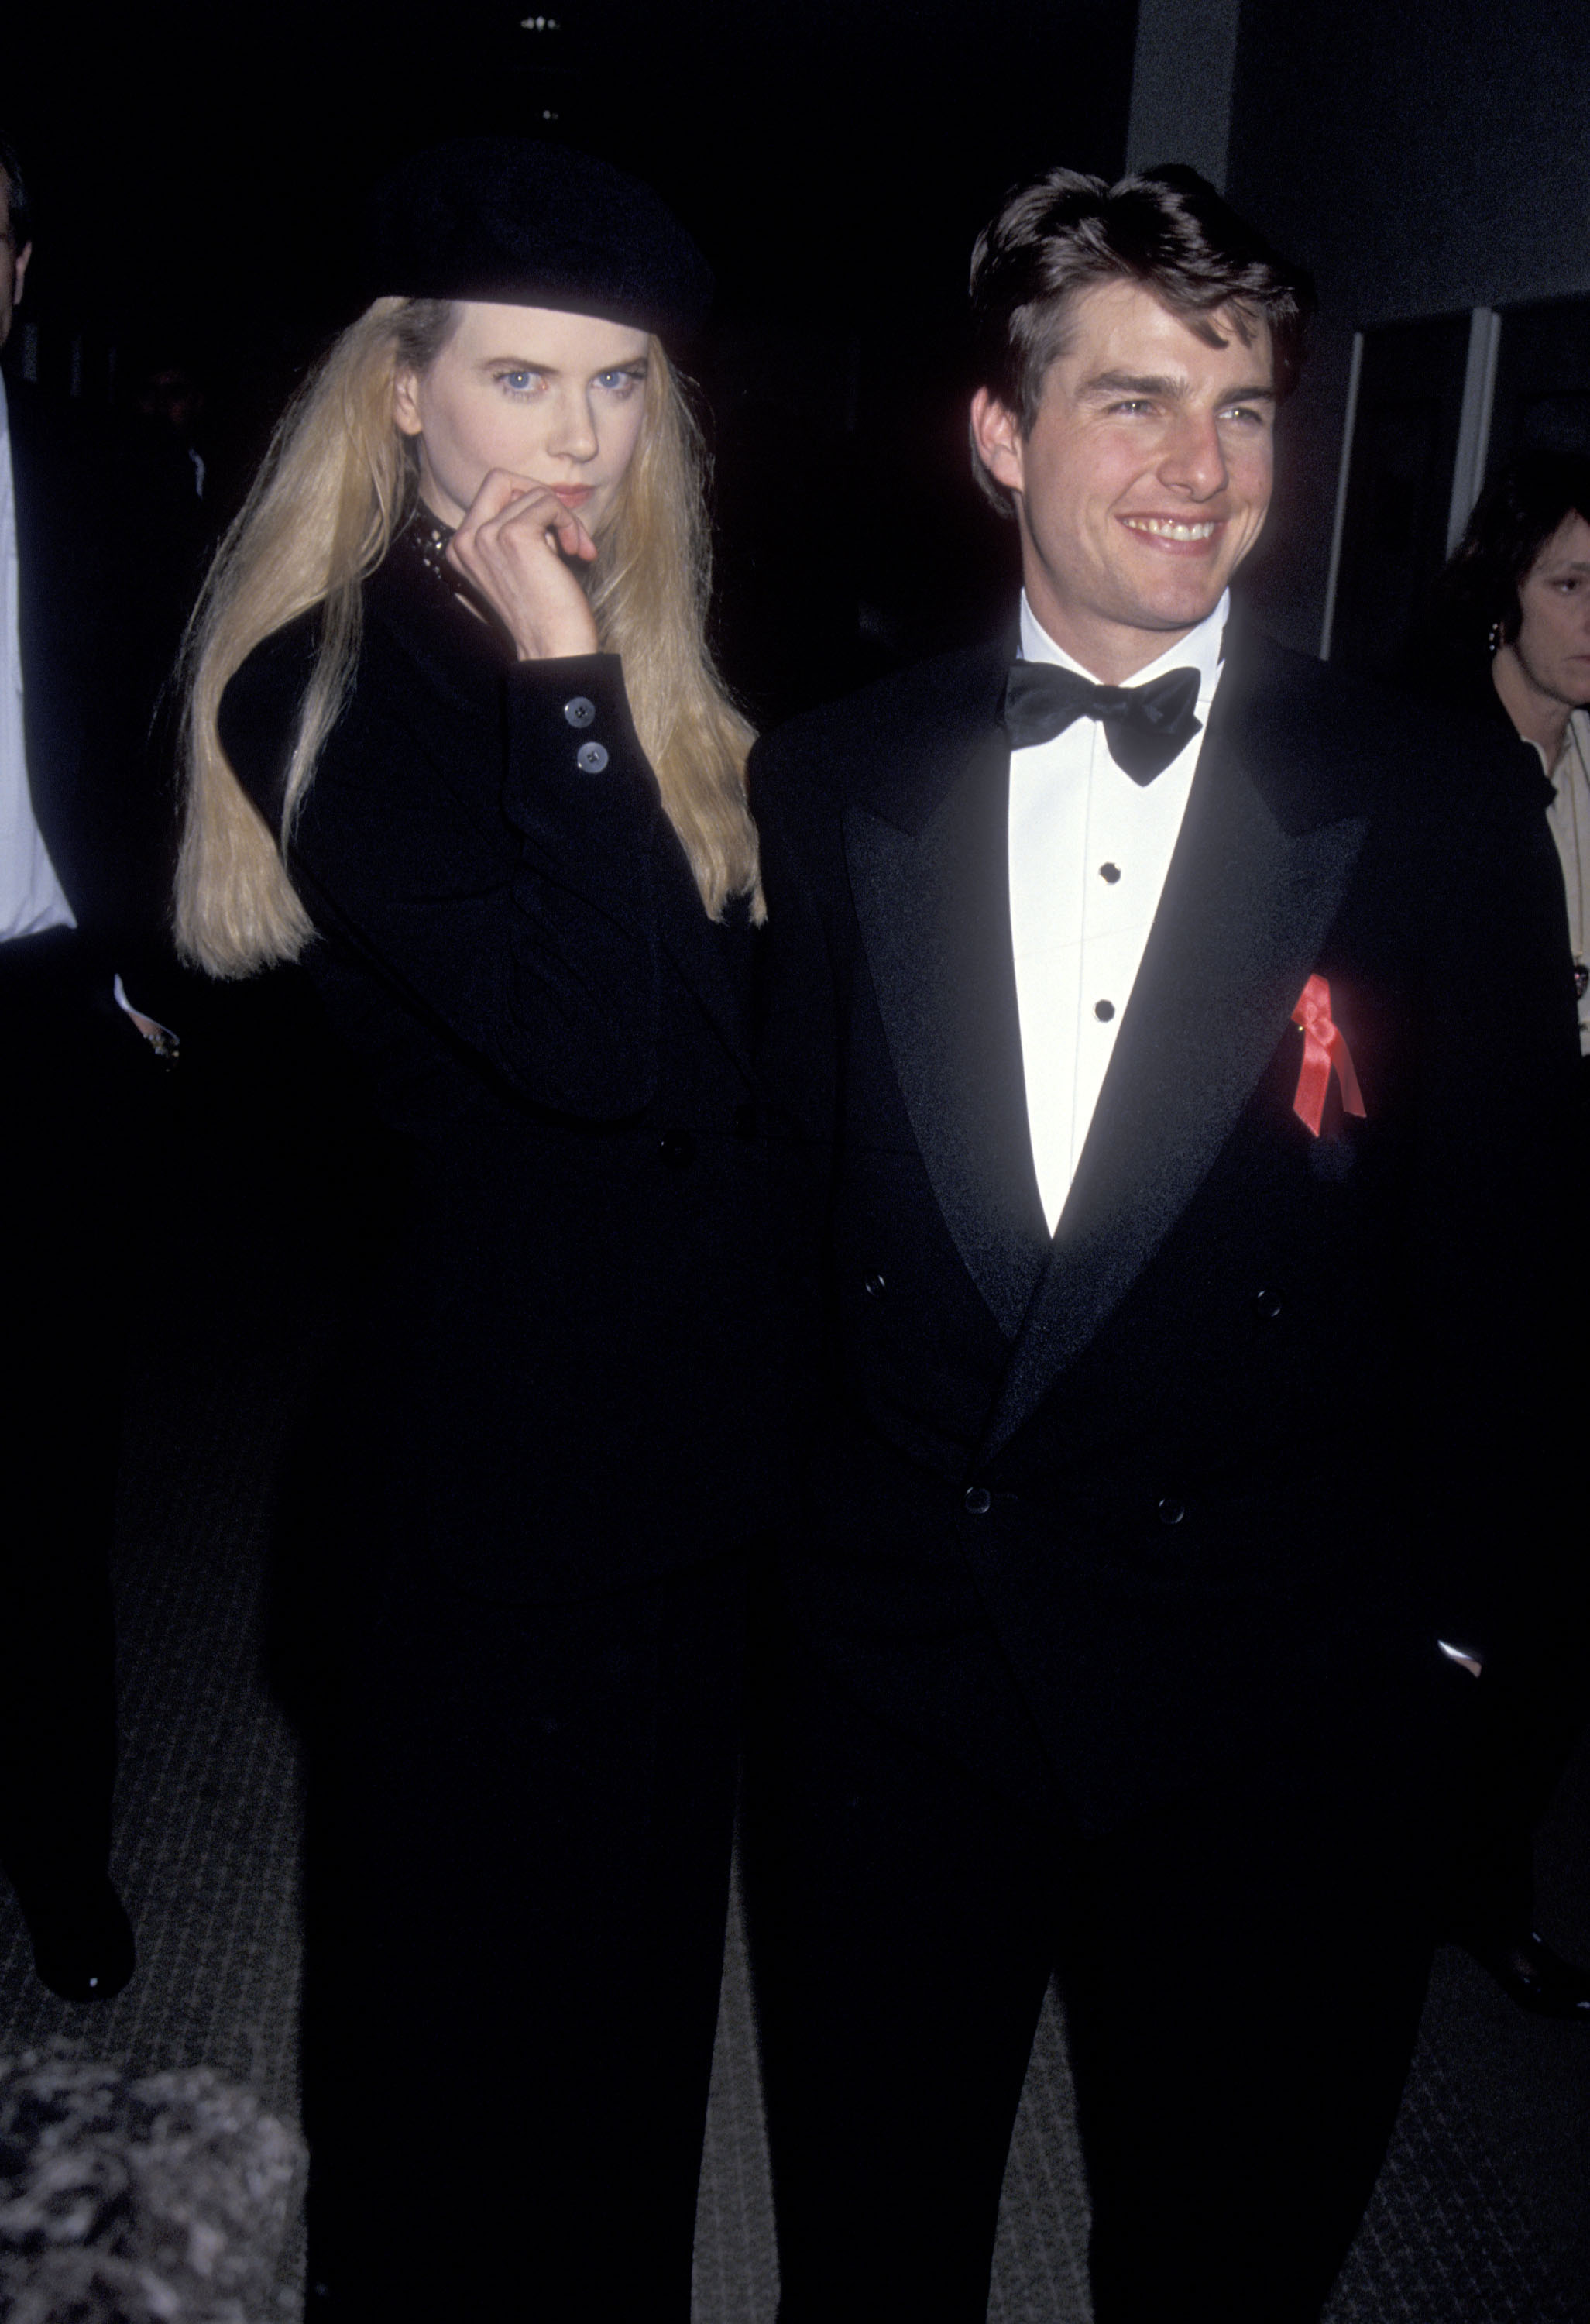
{"points": [[521, 223]]}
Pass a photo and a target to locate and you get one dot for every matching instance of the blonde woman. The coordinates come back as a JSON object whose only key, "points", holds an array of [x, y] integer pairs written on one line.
{"points": [[455, 738]]}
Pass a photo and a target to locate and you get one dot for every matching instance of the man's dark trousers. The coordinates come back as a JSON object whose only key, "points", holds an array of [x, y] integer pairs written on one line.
{"points": [[1242, 1971], [1107, 1641], [80, 1079], [102, 600]]}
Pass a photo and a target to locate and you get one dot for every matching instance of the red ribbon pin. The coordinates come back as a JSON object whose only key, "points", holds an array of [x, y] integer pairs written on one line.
{"points": [[1325, 1051]]}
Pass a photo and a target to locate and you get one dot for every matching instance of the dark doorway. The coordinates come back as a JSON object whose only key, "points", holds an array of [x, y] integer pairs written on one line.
{"points": [[1404, 450]]}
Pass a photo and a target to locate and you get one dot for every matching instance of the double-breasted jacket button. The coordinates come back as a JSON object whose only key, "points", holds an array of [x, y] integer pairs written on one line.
{"points": [[676, 1147], [1171, 1510], [580, 710], [874, 1285], [745, 1118], [979, 1501], [591, 759], [1267, 1306]]}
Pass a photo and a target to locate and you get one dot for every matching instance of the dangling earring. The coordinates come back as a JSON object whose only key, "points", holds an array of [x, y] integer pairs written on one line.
{"points": [[1495, 639]]}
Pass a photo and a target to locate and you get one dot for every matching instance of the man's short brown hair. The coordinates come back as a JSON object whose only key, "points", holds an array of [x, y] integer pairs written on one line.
{"points": [[1169, 230]]}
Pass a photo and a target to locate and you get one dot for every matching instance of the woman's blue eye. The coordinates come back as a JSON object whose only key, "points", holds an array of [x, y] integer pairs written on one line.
{"points": [[528, 380]]}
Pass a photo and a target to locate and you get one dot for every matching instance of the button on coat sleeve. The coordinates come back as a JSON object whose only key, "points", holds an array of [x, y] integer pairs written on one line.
{"points": [[498, 876]]}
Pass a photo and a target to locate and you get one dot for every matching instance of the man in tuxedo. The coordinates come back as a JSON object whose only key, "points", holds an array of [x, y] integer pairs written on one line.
{"points": [[89, 625], [1193, 1024]]}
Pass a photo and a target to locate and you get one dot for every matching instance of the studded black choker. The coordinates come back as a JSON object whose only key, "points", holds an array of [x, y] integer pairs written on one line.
{"points": [[430, 537], [425, 539]]}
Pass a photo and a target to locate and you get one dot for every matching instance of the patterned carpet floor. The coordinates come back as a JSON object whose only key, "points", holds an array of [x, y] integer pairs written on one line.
{"points": [[1482, 2215]]}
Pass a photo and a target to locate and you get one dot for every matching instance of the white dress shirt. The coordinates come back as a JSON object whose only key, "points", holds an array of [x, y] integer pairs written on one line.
{"points": [[1569, 817], [1089, 849], [31, 898]]}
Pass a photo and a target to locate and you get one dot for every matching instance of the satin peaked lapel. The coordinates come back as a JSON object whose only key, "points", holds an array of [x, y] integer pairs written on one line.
{"points": [[1245, 908], [934, 912]]}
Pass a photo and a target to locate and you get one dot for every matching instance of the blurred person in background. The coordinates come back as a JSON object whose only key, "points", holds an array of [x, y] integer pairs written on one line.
{"points": [[165, 406], [89, 626], [168, 398], [1511, 638]]}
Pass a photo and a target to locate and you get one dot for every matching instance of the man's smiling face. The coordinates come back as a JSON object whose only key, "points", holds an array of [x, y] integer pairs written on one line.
{"points": [[1146, 477]]}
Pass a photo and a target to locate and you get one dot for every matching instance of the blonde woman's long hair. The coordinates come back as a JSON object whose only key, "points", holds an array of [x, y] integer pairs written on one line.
{"points": [[335, 486]]}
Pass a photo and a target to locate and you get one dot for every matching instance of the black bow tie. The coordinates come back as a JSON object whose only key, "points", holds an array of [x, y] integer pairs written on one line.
{"points": [[1145, 726]]}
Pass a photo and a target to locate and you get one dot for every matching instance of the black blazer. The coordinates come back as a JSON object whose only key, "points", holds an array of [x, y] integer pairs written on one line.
{"points": [[580, 1345], [102, 605], [1248, 1426]]}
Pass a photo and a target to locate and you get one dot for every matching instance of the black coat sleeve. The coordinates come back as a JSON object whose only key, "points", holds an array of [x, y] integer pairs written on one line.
{"points": [[503, 889]]}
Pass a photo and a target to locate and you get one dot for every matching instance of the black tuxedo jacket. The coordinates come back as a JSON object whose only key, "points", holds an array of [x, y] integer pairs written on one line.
{"points": [[102, 605], [1242, 1440]]}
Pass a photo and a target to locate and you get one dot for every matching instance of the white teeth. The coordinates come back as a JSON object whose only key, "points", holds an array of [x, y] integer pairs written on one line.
{"points": [[1168, 528]]}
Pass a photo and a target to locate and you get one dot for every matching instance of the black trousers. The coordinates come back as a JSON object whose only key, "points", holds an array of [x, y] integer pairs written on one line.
{"points": [[521, 1862], [77, 1081], [1243, 1974]]}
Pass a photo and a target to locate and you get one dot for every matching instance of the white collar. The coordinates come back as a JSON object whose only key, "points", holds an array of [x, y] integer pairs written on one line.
{"points": [[1199, 649]]}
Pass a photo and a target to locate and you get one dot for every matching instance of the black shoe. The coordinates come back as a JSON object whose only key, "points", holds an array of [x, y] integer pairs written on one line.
{"points": [[83, 1947], [1539, 1980]]}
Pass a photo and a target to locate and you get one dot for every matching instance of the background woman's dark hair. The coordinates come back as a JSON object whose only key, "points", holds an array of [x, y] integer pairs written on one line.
{"points": [[1513, 519], [21, 208], [1168, 230]]}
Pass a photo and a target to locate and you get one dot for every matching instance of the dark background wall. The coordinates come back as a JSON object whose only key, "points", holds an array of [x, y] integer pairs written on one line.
{"points": [[199, 173], [1423, 158], [199, 193]]}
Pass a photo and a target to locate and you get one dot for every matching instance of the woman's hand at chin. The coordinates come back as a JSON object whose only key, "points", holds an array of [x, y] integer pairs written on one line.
{"points": [[512, 548]]}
